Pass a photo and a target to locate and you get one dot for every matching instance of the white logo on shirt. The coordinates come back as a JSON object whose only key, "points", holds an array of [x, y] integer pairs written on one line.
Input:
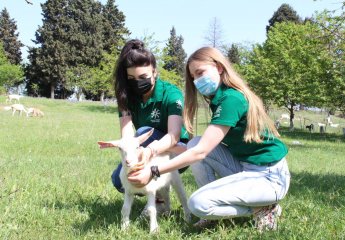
{"points": [[155, 114], [179, 104], [217, 112]]}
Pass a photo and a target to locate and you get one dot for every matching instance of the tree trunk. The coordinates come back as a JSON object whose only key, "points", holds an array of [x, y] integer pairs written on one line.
{"points": [[52, 88], [102, 97], [292, 115]]}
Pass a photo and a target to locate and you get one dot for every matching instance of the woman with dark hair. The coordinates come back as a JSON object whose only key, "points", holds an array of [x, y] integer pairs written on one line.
{"points": [[146, 102]]}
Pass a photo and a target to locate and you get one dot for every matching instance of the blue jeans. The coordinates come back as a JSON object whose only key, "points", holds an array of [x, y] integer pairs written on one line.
{"points": [[231, 188], [156, 135]]}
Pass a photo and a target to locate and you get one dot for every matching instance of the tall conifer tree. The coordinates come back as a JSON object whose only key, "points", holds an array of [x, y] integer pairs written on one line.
{"points": [[51, 56], [74, 33], [114, 27], [175, 54], [233, 54], [285, 13], [9, 37]]}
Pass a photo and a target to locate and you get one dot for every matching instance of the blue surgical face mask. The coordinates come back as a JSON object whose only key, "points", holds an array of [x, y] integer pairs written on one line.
{"points": [[206, 86]]}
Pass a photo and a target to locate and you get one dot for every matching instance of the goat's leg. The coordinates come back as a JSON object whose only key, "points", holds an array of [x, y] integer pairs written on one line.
{"points": [[126, 209], [177, 184], [164, 193], [152, 211]]}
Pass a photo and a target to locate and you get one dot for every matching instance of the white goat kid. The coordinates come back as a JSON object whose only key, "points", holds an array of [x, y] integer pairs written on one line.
{"points": [[18, 107], [130, 162], [14, 97]]}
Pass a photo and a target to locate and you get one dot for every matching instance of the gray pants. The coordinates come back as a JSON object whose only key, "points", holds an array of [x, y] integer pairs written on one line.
{"points": [[240, 186]]}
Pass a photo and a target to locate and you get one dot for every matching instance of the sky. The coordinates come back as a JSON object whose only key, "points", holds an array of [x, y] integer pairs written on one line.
{"points": [[240, 21]]}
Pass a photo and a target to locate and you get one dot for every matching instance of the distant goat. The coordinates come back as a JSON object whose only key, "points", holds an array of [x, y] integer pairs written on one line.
{"points": [[17, 107], [310, 127], [284, 116], [35, 112], [14, 97], [321, 124], [335, 125], [130, 162]]}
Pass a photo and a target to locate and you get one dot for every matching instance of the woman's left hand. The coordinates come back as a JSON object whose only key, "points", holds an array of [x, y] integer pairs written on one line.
{"points": [[140, 178]]}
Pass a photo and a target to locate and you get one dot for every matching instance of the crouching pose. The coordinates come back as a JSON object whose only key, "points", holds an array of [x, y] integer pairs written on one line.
{"points": [[239, 163]]}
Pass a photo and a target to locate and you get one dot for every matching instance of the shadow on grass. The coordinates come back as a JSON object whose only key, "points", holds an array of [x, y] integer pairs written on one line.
{"points": [[102, 214], [100, 108], [311, 136], [326, 189]]}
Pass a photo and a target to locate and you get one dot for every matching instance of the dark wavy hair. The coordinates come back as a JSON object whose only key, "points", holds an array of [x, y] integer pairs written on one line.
{"points": [[133, 54]]}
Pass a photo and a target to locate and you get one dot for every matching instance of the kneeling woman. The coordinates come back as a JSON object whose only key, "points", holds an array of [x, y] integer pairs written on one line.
{"points": [[240, 146]]}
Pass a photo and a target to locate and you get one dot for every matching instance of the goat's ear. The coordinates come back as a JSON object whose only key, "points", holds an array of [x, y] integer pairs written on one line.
{"points": [[143, 137], [107, 144]]}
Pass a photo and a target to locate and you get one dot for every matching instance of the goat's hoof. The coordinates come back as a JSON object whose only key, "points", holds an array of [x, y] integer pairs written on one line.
{"points": [[154, 230], [124, 226]]}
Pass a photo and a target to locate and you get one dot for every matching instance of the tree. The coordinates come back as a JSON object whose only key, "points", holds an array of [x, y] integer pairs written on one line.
{"points": [[9, 38], [102, 81], [285, 13], [50, 58], [289, 68], [78, 79], [86, 35], [10, 74], [333, 35], [233, 54], [214, 35], [75, 33], [175, 56], [113, 27], [152, 45]]}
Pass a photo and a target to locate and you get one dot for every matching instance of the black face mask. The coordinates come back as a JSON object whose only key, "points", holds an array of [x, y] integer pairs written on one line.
{"points": [[140, 87]]}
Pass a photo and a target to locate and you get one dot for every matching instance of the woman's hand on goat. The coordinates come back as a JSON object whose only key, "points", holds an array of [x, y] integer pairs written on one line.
{"points": [[140, 178]]}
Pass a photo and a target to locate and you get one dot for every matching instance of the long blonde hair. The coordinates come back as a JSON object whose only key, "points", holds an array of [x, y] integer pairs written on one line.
{"points": [[258, 120]]}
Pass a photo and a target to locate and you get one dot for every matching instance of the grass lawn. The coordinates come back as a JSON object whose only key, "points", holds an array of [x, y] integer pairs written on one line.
{"points": [[55, 182]]}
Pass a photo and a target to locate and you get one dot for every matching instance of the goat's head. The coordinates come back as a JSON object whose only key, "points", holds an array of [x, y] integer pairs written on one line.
{"points": [[129, 147]]}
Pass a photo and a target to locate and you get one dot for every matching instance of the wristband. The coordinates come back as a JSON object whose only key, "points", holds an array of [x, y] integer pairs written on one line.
{"points": [[155, 172]]}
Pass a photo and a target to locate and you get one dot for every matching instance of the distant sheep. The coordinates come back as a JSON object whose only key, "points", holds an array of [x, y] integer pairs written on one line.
{"points": [[335, 125], [130, 162]]}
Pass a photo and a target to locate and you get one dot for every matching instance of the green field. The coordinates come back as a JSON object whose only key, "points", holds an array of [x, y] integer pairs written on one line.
{"points": [[55, 182]]}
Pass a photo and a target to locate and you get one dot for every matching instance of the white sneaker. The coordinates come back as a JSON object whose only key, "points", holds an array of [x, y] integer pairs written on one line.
{"points": [[267, 217]]}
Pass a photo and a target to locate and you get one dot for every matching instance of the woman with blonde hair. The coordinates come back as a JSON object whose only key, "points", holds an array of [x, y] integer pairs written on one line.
{"points": [[238, 163]]}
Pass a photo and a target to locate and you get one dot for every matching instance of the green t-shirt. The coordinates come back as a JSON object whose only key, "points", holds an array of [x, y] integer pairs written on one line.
{"points": [[229, 108], [166, 100]]}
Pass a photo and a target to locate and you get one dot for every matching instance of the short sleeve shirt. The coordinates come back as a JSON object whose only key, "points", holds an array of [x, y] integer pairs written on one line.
{"points": [[229, 108], [166, 100]]}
